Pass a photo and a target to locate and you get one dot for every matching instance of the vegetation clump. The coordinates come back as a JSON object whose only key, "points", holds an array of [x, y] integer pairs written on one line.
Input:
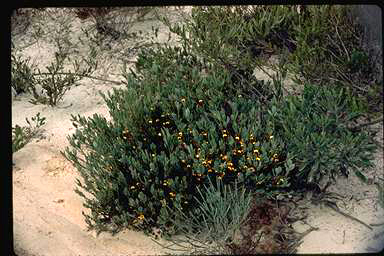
{"points": [[21, 135], [195, 135]]}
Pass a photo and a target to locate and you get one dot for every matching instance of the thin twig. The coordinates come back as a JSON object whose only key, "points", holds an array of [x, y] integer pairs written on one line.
{"points": [[335, 208], [345, 49], [88, 76], [358, 127], [351, 83], [376, 224]]}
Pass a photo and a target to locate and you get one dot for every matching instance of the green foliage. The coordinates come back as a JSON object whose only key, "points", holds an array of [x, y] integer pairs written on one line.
{"points": [[189, 116], [165, 140], [208, 229], [323, 44], [54, 83], [48, 87], [316, 130], [21, 74], [22, 135]]}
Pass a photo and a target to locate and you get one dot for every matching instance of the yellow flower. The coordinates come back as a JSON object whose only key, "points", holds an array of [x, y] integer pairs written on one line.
{"points": [[183, 99], [237, 138], [141, 217], [172, 194], [258, 158]]}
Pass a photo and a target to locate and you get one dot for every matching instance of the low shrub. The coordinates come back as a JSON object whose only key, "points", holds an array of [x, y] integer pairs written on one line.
{"points": [[180, 122], [166, 140], [21, 74], [318, 130], [184, 119], [322, 44], [21, 135], [54, 83]]}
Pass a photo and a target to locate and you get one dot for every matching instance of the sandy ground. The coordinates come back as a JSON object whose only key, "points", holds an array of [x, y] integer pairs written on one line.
{"points": [[47, 213]]}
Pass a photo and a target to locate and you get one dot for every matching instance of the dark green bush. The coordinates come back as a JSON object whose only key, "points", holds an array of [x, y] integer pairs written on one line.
{"points": [[184, 118], [21, 74], [164, 141]]}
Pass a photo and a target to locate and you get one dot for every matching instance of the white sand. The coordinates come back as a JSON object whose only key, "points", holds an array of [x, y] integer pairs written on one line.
{"points": [[47, 213]]}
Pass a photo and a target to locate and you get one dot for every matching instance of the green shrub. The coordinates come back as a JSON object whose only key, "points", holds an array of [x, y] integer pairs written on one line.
{"points": [[317, 128], [164, 141], [323, 44], [21, 74], [54, 83], [22, 135], [184, 119]]}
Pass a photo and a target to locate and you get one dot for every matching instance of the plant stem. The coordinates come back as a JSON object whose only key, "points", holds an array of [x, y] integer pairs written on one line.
{"points": [[358, 127]]}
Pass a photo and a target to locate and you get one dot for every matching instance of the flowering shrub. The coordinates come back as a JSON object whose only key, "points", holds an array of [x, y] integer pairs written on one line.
{"points": [[185, 119], [164, 141]]}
